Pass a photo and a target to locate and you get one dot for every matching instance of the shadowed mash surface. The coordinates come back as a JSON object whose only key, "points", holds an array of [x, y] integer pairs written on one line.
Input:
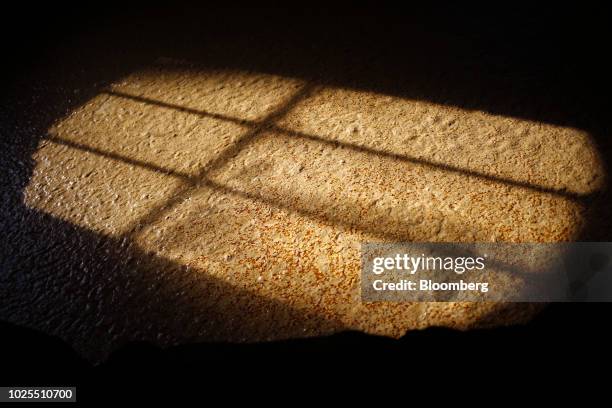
{"points": [[270, 184], [194, 202]]}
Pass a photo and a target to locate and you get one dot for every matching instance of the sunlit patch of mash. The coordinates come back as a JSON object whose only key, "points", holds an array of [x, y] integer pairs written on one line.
{"points": [[271, 183]]}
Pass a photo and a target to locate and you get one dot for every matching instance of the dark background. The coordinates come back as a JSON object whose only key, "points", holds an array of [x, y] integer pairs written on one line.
{"points": [[542, 63]]}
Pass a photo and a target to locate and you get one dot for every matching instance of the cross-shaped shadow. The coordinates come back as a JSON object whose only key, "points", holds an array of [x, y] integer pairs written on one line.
{"points": [[190, 182]]}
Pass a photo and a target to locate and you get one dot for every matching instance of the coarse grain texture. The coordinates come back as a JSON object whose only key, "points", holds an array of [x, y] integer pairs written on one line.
{"points": [[269, 184], [209, 174]]}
